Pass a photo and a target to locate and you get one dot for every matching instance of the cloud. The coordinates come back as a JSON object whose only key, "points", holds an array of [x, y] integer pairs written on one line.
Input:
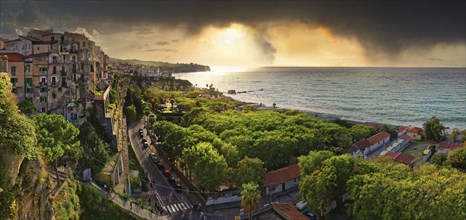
{"points": [[161, 50], [382, 27], [162, 43]]}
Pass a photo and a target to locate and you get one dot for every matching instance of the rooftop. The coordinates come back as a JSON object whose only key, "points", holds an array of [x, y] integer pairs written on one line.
{"points": [[13, 56], [374, 139], [402, 128], [362, 144], [288, 211], [415, 130], [401, 157], [449, 146], [281, 175]]}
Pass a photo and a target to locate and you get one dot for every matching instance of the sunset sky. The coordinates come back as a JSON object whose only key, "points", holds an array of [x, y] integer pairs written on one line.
{"points": [[257, 33]]}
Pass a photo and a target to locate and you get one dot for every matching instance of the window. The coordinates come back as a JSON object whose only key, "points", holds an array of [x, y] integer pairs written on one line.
{"points": [[84, 44], [43, 89], [62, 39], [19, 90], [28, 81], [54, 70], [28, 90], [27, 69], [14, 81], [37, 48], [53, 38], [43, 99], [13, 70]]}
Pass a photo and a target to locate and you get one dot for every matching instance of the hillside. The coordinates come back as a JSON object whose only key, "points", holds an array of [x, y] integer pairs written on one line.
{"points": [[164, 66]]}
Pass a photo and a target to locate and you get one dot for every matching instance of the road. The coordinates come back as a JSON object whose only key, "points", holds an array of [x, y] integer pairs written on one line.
{"points": [[172, 202]]}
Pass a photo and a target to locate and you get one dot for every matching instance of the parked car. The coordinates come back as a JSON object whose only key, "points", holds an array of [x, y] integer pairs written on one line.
{"points": [[141, 133], [310, 215], [145, 145], [154, 157], [177, 187], [171, 180], [166, 172], [301, 205], [144, 140], [160, 166]]}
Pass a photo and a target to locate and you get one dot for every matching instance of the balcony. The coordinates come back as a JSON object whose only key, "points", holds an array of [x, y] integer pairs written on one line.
{"points": [[42, 83], [54, 84]]}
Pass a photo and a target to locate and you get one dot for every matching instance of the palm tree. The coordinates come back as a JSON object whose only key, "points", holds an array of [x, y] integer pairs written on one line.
{"points": [[250, 198]]}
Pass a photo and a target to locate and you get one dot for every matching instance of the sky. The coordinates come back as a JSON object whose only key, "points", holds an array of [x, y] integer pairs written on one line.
{"points": [[258, 32]]}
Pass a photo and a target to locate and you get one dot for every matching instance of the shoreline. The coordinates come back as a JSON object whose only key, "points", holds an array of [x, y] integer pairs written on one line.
{"points": [[317, 115]]}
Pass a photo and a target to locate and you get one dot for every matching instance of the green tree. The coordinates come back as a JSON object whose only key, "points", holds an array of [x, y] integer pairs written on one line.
{"points": [[390, 129], [434, 129], [26, 107], [16, 130], [359, 132], [439, 159], [207, 164], [56, 136], [457, 158], [130, 113], [250, 198], [455, 133], [249, 170]]}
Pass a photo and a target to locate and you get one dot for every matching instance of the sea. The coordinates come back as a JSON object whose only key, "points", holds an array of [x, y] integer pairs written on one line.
{"points": [[396, 96]]}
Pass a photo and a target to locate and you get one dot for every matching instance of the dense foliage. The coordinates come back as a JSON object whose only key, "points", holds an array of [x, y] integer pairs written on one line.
{"points": [[382, 189], [95, 206], [95, 151], [16, 130], [26, 107], [273, 138], [434, 129]]}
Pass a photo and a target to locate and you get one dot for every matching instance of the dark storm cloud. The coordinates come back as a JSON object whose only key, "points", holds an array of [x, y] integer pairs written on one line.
{"points": [[380, 26]]}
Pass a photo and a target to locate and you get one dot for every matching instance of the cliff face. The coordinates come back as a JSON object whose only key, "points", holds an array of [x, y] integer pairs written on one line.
{"points": [[12, 163], [35, 190], [29, 184]]}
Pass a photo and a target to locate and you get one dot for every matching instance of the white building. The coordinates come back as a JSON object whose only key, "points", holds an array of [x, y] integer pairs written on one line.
{"points": [[282, 179]]}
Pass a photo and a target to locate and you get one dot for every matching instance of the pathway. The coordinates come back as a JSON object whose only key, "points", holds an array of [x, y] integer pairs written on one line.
{"points": [[130, 207]]}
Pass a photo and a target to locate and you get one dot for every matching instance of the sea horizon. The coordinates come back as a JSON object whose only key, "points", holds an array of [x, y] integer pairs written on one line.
{"points": [[356, 100]]}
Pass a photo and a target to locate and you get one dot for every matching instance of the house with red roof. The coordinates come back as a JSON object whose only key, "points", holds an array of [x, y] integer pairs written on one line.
{"points": [[377, 141], [363, 147], [282, 179], [357, 149], [401, 158], [415, 133], [402, 130], [447, 146]]}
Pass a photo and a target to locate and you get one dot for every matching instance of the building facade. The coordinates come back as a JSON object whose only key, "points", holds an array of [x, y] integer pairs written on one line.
{"points": [[58, 72]]}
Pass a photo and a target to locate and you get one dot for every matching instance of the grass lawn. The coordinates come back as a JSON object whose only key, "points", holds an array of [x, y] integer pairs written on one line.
{"points": [[415, 148]]}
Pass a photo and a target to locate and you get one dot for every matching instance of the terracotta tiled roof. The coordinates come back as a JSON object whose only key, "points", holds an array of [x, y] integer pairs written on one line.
{"points": [[405, 137], [415, 130], [288, 211], [449, 146], [402, 128], [401, 157], [362, 144], [378, 137], [38, 54], [281, 175], [13, 57]]}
